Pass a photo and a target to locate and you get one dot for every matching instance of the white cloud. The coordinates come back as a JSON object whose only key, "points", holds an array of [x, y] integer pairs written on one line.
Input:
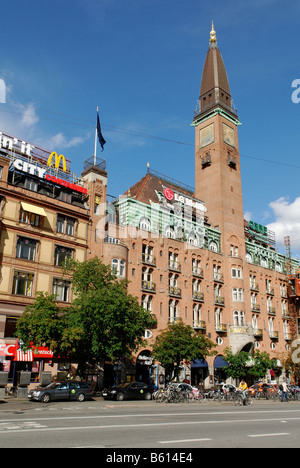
{"points": [[247, 215], [2, 92], [24, 122], [287, 221], [59, 141], [29, 116]]}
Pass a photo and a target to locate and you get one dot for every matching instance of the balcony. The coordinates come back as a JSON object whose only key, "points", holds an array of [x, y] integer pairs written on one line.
{"points": [[148, 286], [270, 291], [219, 300], [271, 310], [221, 328], [175, 266], [218, 277], [174, 320], [199, 325], [274, 335], [254, 287], [198, 296], [174, 291], [255, 308], [288, 336], [258, 332], [198, 272], [148, 259]]}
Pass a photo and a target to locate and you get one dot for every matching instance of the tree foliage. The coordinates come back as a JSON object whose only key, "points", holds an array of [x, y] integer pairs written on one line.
{"points": [[103, 322], [179, 344], [43, 323], [243, 363]]}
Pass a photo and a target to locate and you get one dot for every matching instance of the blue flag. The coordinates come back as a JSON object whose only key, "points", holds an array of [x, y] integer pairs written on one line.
{"points": [[100, 136]]}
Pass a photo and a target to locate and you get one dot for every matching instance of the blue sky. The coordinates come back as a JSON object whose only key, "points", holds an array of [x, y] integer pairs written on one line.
{"points": [[141, 62]]}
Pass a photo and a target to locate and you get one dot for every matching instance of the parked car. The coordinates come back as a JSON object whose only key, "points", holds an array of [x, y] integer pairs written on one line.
{"points": [[129, 391], [263, 388], [69, 390]]}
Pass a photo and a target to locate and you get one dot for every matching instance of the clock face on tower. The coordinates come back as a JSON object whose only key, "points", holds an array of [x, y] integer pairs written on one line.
{"points": [[207, 135], [228, 135]]}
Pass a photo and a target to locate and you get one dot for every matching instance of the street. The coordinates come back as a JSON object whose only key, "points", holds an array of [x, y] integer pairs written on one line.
{"points": [[142, 424]]}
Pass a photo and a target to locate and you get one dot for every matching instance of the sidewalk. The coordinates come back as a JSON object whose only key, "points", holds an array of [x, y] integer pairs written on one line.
{"points": [[14, 405]]}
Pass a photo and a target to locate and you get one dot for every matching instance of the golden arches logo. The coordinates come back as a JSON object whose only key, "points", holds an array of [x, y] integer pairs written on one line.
{"points": [[57, 160]]}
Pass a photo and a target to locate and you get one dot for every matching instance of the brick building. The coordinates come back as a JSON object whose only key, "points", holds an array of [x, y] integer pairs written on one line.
{"points": [[190, 255], [187, 252]]}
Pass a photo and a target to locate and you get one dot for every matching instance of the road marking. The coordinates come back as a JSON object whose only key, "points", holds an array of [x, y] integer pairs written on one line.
{"points": [[182, 441], [152, 415], [270, 435], [136, 426]]}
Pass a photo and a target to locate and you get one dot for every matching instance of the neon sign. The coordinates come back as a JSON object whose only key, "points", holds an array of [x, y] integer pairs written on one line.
{"points": [[57, 160], [39, 172]]}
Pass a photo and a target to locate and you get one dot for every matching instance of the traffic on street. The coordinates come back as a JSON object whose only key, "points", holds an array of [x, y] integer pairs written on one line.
{"points": [[118, 425]]}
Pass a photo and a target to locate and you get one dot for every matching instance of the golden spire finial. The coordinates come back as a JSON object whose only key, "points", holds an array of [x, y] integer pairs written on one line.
{"points": [[213, 37]]}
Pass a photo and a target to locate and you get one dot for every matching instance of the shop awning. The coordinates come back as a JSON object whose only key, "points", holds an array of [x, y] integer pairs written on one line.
{"points": [[33, 209], [24, 357], [220, 362], [199, 363]]}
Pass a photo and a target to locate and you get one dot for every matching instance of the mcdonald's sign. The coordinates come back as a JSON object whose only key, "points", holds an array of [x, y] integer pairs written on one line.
{"points": [[57, 160]]}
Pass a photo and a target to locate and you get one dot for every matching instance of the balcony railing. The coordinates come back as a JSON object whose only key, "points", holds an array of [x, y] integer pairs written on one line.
{"points": [[271, 310], [175, 266], [199, 325], [221, 328], [255, 308], [198, 272], [174, 291], [274, 335], [198, 296], [148, 286], [219, 300], [219, 277], [258, 332], [149, 259]]}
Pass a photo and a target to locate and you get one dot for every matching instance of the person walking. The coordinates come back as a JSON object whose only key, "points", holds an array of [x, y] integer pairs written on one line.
{"points": [[284, 392]]}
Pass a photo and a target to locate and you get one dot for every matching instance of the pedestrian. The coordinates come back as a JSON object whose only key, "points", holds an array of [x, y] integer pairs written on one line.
{"points": [[256, 389], [284, 392]]}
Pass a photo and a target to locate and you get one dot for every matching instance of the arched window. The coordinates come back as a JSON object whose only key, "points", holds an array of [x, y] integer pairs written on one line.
{"points": [[145, 224], [118, 267], [192, 240], [239, 318], [213, 246], [169, 232]]}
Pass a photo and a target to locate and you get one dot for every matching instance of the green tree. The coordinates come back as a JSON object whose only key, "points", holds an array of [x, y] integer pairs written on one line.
{"points": [[112, 321], [103, 322], [179, 344], [261, 363], [243, 363], [236, 364], [44, 323]]}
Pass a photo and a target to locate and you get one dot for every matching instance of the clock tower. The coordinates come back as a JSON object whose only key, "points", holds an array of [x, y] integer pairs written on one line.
{"points": [[217, 161]]}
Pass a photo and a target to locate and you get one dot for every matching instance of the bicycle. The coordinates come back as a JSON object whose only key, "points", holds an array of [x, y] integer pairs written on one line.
{"points": [[242, 399]]}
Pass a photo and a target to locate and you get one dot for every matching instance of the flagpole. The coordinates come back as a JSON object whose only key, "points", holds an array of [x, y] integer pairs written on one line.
{"points": [[95, 150]]}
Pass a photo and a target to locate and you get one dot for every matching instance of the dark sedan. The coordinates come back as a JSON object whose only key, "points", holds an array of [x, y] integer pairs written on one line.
{"points": [[61, 391], [129, 391]]}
